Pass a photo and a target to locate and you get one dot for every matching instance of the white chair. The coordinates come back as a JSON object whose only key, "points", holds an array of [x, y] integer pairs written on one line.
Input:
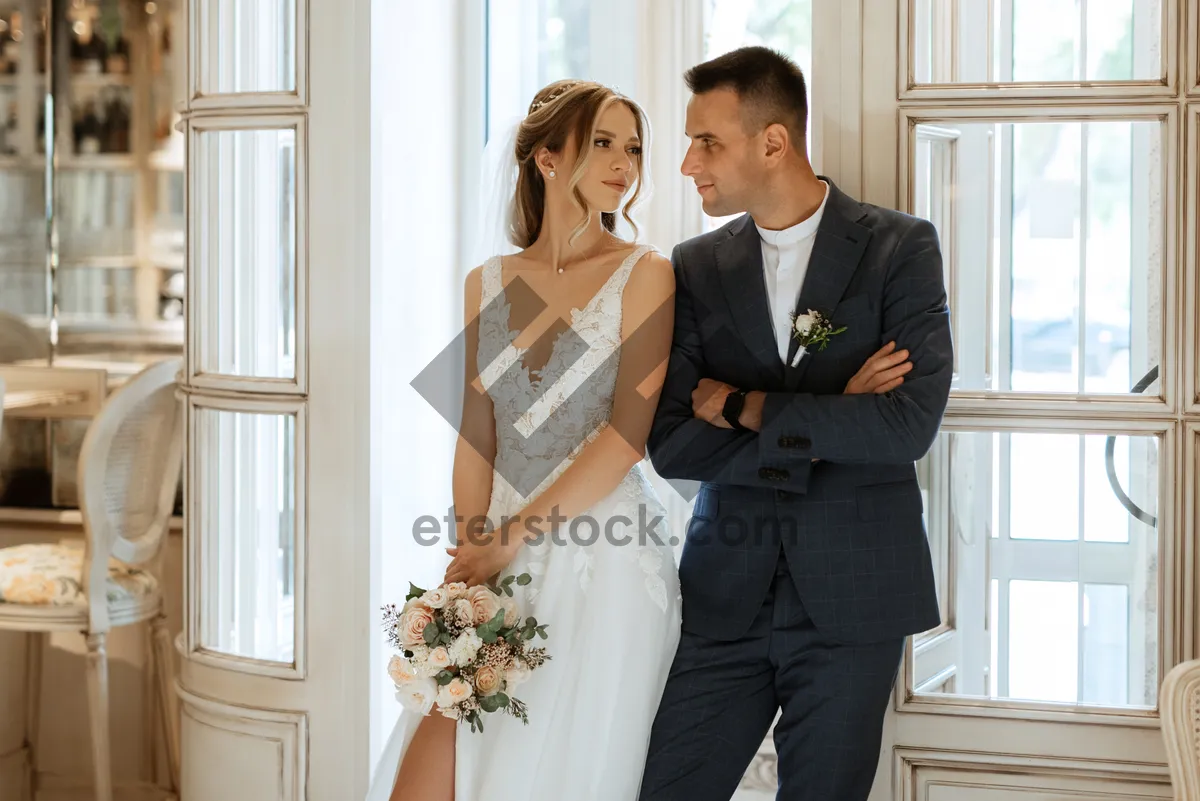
{"points": [[129, 469], [1179, 712]]}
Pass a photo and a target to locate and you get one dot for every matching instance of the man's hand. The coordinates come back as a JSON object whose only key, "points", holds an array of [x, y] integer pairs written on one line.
{"points": [[881, 373], [708, 401]]}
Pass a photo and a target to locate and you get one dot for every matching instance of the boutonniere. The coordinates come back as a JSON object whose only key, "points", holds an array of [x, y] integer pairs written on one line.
{"points": [[813, 331]]}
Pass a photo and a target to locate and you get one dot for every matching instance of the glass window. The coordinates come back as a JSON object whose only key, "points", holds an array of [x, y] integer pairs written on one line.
{"points": [[1036, 41], [247, 530], [252, 46], [531, 43], [1053, 241], [1052, 588], [246, 248]]}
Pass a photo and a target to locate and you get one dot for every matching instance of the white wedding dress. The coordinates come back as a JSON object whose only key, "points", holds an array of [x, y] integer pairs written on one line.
{"points": [[613, 610]]}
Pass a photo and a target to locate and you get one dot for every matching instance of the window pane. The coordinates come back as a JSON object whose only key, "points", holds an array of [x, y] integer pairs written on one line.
{"points": [[1036, 41], [1053, 237], [96, 215], [1106, 644], [784, 25], [1043, 486], [246, 211], [532, 43], [94, 294], [22, 242], [247, 491], [247, 46], [1043, 641], [1053, 595]]}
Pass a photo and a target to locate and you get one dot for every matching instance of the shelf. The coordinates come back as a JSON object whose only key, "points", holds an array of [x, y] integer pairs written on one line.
{"points": [[58, 517], [101, 80]]}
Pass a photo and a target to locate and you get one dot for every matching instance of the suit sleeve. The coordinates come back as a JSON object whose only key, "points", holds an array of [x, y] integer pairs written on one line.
{"points": [[682, 446], [898, 427]]}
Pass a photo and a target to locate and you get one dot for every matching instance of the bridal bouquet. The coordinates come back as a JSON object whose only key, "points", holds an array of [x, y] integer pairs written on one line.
{"points": [[463, 649]]}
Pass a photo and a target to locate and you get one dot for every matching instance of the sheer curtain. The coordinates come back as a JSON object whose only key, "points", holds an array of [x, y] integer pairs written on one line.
{"points": [[416, 204]]}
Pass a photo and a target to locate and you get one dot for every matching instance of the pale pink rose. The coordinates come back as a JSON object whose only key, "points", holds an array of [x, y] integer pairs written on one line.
{"points": [[484, 602], [436, 598], [456, 590], [439, 657], [464, 612], [487, 680], [401, 671], [454, 692], [512, 612], [412, 604], [414, 625]]}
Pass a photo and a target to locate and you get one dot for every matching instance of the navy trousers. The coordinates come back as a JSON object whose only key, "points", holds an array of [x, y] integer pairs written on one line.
{"points": [[721, 698]]}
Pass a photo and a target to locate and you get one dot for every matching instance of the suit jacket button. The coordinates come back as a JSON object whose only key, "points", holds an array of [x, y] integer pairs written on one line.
{"points": [[804, 442], [766, 472], [785, 442], [781, 475]]}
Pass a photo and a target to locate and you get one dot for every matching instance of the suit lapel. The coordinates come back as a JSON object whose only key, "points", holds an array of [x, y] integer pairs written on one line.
{"points": [[838, 247], [739, 265]]}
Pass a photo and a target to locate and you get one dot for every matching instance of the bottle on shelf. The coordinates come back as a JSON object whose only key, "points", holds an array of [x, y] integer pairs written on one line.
{"points": [[89, 132], [116, 124], [118, 57], [8, 131], [10, 43], [88, 57]]}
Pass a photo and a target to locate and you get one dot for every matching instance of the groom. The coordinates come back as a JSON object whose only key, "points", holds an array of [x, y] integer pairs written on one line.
{"points": [[806, 563]]}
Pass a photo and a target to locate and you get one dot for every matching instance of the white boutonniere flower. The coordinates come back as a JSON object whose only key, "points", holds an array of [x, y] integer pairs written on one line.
{"points": [[813, 331]]}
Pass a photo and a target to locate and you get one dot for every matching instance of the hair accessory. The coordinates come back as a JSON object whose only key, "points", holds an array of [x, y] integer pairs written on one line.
{"points": [[562, 91]]}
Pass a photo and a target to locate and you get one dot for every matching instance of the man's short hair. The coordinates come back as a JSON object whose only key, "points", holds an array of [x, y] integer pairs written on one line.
{"points": [[769, 85]]}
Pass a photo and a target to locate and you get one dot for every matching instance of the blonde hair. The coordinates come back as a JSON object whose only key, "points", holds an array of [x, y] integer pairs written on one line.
{"points": [[560, 109]]}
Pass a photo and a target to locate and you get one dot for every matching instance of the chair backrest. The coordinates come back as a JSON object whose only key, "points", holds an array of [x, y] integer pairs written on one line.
{"points": [[129, 466], [19, 340], [1179, 713]]}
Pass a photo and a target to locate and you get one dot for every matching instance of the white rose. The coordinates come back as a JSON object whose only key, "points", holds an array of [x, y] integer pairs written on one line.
{"points": [[465, 647], [436, 598], [804, 323], [402, 671], [418, 695], [456, 590], [453, 693], [439, 657], [519, 673]]}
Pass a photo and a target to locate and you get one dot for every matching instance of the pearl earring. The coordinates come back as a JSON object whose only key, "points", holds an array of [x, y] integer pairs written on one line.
{"points": [[552, 173]]}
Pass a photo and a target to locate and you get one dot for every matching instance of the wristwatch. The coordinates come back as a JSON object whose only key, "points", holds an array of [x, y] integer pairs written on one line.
{"points": [[732, 410]]}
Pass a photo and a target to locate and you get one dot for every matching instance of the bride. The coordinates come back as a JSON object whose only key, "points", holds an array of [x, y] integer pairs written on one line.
{"points": [[571, 337]]}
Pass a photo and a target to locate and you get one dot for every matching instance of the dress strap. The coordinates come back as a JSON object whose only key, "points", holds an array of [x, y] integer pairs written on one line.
{"points": [[492, 282], [621, 277]]}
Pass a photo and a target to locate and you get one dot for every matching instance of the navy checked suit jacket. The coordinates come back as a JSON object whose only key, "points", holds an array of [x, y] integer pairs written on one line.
{"points": [[850, 524]]}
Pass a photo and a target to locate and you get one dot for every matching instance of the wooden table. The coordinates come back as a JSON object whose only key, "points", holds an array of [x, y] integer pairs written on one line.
{"points": [[32, 399]]}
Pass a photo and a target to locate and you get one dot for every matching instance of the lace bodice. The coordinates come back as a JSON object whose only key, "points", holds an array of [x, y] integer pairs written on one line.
{"points": [[543, 421]]}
